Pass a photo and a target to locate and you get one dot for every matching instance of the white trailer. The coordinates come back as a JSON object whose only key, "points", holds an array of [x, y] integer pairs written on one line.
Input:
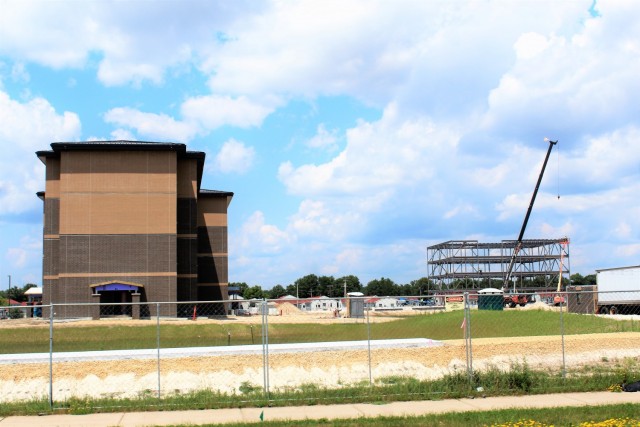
{"points": [[618, 290]]}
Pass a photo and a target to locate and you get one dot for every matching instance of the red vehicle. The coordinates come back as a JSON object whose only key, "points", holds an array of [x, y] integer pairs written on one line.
{"points": [[513, 300]]}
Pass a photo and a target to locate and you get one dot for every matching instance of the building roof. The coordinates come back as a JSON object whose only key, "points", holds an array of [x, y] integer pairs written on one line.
{"points": [[215, 193], [618, 268]]}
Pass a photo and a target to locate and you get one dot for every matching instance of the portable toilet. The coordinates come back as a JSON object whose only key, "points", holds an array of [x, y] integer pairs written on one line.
{"points": [[490, 299]]}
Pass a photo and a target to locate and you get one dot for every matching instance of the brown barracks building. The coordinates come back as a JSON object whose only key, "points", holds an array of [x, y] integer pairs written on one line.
{"points": [[127, 221]]}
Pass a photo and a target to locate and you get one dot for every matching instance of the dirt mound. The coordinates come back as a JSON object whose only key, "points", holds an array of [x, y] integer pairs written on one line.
{"points": [[539, 305], [287, 308]]}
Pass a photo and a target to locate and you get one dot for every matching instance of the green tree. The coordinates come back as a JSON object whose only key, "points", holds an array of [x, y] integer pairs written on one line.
{"points": [[327, 286], [578, 279], [242, 287], [307, 286], [253, 292], [381, 287], [277, 291], [353, 284], [291, 290], [422, 286], [17, 293]]}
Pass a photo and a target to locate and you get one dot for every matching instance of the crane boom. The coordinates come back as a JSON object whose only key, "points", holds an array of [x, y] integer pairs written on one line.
{"points": [[507, 276]]}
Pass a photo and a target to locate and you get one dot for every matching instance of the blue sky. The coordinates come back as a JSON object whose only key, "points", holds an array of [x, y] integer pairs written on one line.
{"points": [[354, 134]]}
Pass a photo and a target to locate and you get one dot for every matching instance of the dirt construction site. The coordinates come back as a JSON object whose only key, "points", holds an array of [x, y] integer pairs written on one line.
{"points": [[127, 377]]}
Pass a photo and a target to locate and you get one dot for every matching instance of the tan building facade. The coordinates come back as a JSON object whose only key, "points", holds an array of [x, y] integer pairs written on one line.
{"points": [[127, 221]]}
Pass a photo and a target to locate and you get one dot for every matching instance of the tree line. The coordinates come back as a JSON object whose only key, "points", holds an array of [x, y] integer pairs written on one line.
{"points": [[15, 293], [312, 285]]}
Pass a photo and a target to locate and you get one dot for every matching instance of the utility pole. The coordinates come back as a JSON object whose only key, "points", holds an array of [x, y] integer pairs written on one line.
{"points": [[9, 291]]}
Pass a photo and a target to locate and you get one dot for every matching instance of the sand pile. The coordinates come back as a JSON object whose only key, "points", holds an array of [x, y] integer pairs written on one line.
{"points": [[287, 308]]}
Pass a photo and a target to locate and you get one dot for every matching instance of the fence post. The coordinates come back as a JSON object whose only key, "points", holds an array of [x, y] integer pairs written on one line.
{"points": [[369, 346], [158, 342], [564, 366], [51, 357], [264, 309], [466, 323]]}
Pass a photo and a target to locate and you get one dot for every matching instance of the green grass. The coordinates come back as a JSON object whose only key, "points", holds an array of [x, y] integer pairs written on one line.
{"points": [[439, 326], [625, 415], [519, 380]]}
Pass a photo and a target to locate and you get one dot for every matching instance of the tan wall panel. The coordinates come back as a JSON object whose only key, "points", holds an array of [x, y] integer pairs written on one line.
{"points": [[75, 214], [52, 188], [118, 172], [117, 214], [212, 220], [212, 211], [188, 178], [145, 274]]}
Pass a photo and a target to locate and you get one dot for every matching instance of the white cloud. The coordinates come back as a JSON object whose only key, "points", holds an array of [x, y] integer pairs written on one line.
{"points": [[122, 135], [160, 127], [586, 78], [26, 128], [631, 250], [135, 43], [257, 238], [234, 157], [378, 157], [30, 247], [200, 116], [214, 111], [529, 45], [17, 257], [19, 73], [324, 138]]}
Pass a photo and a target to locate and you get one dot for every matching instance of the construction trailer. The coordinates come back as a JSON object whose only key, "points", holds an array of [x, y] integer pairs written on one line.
{"points": [[618, 290], [581, 299]]}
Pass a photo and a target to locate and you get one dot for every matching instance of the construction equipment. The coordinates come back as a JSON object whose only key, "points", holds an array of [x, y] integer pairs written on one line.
{"points": [[558, 298], [507, 277]]}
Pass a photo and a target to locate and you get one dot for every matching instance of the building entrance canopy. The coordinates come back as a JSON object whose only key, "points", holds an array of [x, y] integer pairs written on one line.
{"points": [[116, 286]]}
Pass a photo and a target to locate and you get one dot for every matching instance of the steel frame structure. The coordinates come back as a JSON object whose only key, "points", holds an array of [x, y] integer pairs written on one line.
{"points": [[469, 264]]}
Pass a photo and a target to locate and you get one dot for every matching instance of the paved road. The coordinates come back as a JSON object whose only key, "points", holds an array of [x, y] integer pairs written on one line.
{"points": [[358, 410]]}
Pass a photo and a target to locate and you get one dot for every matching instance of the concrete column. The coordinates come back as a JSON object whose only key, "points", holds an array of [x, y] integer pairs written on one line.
{"points": [[95, 307], [135, 306]]}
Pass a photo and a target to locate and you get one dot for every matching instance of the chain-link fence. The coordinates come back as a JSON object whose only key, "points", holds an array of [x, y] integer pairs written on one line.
{"points": [[263, 349]]}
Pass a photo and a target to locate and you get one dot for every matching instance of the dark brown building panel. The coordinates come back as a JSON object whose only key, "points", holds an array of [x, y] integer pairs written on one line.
{"points": [[212, 240], [51, 216], [213, 270], [119, 253], [187, 255], [187, 216]]}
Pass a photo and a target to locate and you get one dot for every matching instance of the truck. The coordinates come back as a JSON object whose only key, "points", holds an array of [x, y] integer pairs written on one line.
{"points": [[618, 290], [513, 300]]}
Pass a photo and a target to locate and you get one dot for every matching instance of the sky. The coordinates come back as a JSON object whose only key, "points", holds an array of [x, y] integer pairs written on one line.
{"points": [[353, 133]]}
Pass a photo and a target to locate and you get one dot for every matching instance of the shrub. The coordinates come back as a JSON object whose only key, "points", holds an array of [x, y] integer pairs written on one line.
{"points": [[16, 313]]}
